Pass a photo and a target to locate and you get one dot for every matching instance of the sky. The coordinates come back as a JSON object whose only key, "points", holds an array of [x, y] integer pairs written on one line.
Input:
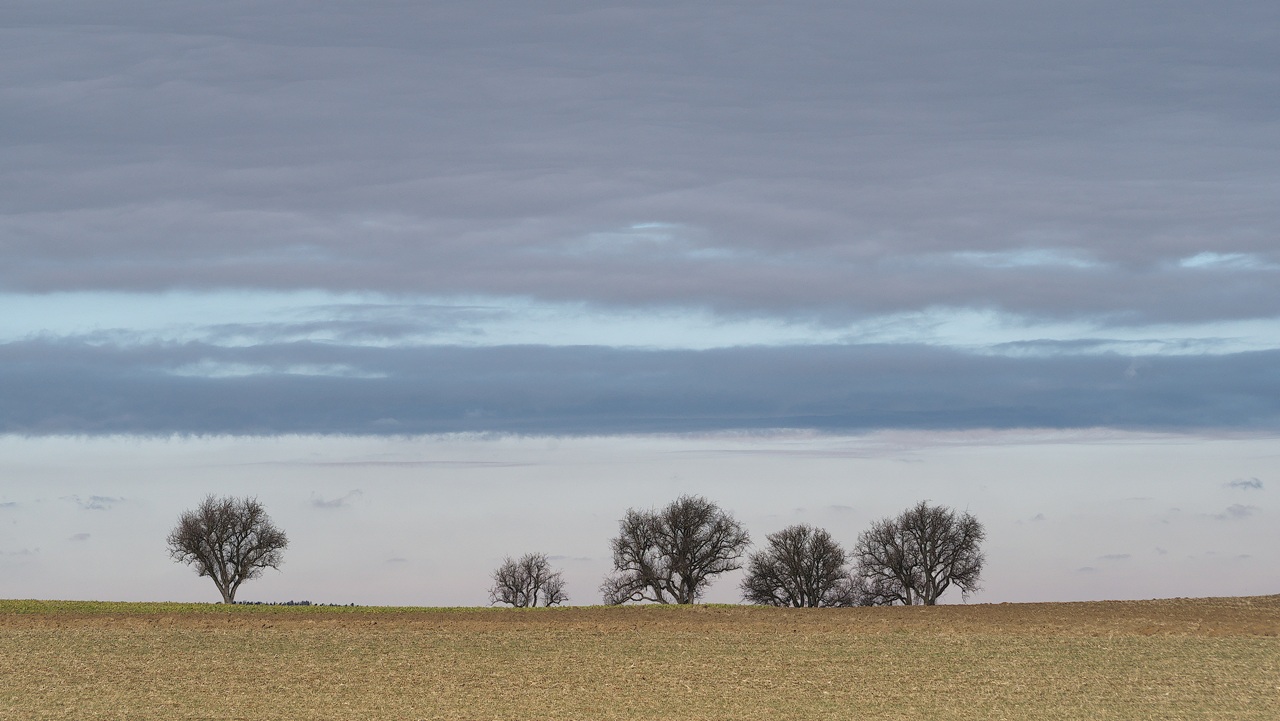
{"points": [[445, 282]]}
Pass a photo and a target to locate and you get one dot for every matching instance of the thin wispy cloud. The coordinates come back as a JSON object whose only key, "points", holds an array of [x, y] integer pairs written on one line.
{"points": [[344, 501], [1244, 484], [95, 503], [1237, 512]]}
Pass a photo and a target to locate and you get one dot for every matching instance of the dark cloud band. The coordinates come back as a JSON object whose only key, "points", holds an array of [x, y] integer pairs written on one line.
{"points": [[72, 388]]}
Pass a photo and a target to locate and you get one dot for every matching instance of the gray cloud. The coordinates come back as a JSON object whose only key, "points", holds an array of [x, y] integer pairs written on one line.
{"points": [[79, 537], [1077, 160], [1236, 512], [66, 387], [1115, 557], [340, 502], [1244, 484]]}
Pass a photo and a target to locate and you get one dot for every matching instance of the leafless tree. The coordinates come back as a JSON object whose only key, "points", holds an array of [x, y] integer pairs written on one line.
{"points": [[802, 567], [670, 555], [230, 540], [918, 556], [526, 582]]}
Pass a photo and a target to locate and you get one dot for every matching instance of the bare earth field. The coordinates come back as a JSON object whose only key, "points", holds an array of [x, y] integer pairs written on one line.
{"points": [[1168, 659]]}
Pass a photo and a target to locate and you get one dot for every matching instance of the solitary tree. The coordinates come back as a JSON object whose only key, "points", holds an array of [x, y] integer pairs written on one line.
{"points": [[528, 581], [670, 555], [230, 540], [918, 556], [802, 567]]}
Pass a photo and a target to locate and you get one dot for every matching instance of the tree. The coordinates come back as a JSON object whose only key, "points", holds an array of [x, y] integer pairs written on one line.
{"points": [[802, 567], [527, 582], [670, 556], [230, 540], [918, 556]]}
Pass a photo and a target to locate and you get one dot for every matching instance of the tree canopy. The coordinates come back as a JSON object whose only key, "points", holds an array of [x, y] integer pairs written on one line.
{"points": [[230, 540], [801, 566], [527, 581], [670, 555], [919, 555]]}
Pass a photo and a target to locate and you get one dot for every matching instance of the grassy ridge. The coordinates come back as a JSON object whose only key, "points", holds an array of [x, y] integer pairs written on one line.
{"points": [[1173, 659]]}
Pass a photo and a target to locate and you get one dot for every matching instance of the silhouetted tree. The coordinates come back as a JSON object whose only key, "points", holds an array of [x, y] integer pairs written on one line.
{"points": [[526, 582], [802, 567], [230, 540], [670, 555], [918, 556]]}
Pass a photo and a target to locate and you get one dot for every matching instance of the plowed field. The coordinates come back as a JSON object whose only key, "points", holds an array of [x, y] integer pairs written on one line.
{"points": [[1167, 659]]}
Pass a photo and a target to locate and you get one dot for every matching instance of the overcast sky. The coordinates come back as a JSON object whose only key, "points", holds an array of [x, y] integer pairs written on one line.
{"points": [[845, 255]]}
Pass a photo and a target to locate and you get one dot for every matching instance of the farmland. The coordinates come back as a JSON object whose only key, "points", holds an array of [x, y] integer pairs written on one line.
{"points": [[1174, 659]]}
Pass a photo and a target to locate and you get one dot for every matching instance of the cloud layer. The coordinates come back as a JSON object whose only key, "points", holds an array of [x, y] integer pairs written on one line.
{"points": [[838, 160], [54, 388], [817, 167]]}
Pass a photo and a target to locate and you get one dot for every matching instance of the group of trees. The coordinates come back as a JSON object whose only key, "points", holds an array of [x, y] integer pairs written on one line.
{"points": [[671, 555], [667, 555]]}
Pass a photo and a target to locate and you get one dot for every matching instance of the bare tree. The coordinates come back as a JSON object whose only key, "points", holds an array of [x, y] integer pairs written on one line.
{"points": [[527, 582], [230, 540], [918, 556], [802, 567], [670, 556]]}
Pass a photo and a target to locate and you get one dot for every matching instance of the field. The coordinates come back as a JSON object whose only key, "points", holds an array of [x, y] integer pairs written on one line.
{"points": [[1168, 659]]}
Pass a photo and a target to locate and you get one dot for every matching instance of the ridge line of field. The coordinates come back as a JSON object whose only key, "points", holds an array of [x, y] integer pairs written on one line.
{"points": [[46, 606]]}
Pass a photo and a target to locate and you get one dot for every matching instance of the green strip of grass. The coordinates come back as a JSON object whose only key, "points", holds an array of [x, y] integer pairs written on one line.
{"points": [[144, 608], [133, 608]]}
